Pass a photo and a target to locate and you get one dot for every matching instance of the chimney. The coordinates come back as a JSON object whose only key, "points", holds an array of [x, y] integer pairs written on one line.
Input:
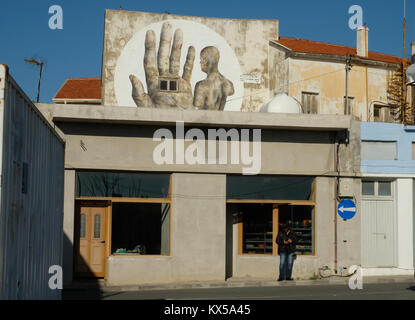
{"points": [[362, 44]]}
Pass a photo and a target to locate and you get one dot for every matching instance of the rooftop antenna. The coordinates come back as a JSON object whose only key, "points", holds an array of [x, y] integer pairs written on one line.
{"points": [[38, 63]]}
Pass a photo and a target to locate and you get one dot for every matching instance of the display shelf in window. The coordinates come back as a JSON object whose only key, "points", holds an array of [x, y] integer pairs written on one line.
{"points": [[259, 242], [305, 243]]}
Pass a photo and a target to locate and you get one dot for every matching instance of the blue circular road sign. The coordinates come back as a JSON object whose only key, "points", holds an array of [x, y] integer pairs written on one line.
{"points": [[346, 209]]}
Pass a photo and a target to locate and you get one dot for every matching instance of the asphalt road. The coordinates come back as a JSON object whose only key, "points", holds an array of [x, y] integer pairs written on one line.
{"points": [[378, 291]]}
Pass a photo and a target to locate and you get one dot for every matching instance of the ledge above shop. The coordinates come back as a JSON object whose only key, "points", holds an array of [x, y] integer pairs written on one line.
{"points": [[206, 118]]}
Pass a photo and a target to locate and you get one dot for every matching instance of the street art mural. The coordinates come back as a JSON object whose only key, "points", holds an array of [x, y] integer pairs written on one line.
{"points": [[149, 72]]}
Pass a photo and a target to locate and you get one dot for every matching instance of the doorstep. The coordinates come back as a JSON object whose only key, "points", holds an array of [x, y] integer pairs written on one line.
{"points": [[229, 283]]}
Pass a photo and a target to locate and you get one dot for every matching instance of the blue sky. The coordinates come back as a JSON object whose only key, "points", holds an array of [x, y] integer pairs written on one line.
{"points": [[76, 51]]}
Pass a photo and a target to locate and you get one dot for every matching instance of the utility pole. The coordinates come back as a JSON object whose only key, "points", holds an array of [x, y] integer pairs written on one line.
{"points": [[39, 64], [348, 68]]}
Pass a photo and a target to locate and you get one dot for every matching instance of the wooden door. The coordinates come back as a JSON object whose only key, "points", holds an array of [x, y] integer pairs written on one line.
{"points": [[90, 254]]}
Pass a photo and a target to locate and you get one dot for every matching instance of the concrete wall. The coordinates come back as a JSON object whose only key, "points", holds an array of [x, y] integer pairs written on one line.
{"points": [[68, 226], [243, 46], [349, 233], [198, 237], [280, 62], [104, 143], [282, 134]]}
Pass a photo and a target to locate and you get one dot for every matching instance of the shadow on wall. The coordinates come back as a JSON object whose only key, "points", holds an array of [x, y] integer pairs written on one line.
{"points": [[87, 288], [147, 131]]}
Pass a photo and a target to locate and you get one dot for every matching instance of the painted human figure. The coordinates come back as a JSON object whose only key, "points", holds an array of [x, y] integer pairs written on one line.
{"points": [[211, 93]]}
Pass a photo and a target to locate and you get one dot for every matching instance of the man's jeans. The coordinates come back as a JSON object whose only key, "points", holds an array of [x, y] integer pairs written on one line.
{"points": [[286, 265]]}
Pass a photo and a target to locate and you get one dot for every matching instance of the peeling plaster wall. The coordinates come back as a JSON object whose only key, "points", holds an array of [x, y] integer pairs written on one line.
{"points": [[249, 40], [328, 79], [279, 71]]}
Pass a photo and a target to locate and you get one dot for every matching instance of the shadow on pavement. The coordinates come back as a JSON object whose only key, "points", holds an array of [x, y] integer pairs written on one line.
{"points": [[87, 294]]}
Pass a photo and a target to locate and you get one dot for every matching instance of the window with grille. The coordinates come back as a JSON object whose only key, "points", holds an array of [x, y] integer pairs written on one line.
{"points": [[309, 102], [168, 85]]}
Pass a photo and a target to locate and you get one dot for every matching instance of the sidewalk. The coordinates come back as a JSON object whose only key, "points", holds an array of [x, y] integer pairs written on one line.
{"points": [[229, 283]]}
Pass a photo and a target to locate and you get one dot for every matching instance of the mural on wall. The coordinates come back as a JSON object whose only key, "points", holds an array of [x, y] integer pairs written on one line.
{"points": [[152, 78]]}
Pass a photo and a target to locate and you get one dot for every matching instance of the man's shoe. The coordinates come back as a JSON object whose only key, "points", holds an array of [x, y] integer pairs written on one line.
{"points": [[280, 279], [290, 279]]}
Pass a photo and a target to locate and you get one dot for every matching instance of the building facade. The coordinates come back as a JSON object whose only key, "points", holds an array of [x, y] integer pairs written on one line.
{"points": [[388, 171], [151, 197], [315, 74], [132, 220]]}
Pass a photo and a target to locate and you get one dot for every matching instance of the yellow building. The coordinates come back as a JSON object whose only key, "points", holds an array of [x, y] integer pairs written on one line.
{"points": [[315, 74]]}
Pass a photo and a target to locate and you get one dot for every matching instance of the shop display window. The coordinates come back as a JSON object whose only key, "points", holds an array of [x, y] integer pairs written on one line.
{"points": [[301, 220], [259, 204], [140, 229], [257, 228], [112, 184]]}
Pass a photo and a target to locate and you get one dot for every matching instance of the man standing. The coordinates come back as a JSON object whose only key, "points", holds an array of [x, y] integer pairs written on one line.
{"points": [[286, 241]]}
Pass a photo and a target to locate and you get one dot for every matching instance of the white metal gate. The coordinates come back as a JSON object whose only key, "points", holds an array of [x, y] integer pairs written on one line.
{"points": [[378, 236]]}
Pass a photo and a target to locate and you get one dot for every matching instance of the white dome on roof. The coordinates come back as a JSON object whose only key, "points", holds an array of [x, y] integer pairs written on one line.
{"points": [[282, 103]]}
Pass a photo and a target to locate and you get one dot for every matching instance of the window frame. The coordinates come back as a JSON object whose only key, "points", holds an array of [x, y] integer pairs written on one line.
{"points": [[350, 105], [111, 200], [316, 95], [383, 117], [376, 195], [275, 219], [169, 81]]}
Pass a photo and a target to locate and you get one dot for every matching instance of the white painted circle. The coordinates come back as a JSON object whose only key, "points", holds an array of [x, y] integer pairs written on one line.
{"points": [[194, 34]]}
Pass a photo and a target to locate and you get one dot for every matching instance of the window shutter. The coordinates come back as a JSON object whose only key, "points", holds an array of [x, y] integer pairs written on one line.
{"points": [[314, 105]]}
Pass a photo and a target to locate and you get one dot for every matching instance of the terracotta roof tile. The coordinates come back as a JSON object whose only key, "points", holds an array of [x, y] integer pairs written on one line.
{"points": [[80, 88], [307, 46]]}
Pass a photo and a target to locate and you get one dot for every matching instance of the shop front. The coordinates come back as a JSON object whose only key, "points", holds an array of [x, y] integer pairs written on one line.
{"points": [[131, 220]]}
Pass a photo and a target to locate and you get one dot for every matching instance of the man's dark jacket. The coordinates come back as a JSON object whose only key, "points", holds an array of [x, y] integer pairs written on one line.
{"points": [[287, 248]]}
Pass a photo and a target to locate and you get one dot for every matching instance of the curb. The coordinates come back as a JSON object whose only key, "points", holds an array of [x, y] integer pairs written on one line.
{"points": [[231, 284]]}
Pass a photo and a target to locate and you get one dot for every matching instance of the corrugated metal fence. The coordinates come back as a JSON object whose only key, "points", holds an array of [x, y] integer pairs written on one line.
{"points": [[31, 196]]}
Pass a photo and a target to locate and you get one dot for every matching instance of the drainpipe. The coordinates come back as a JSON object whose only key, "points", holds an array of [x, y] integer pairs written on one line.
{"points": [[348, 67], [336, 168]]}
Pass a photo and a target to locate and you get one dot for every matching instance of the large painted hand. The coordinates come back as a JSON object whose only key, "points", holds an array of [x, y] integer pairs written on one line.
{"points": [[166, 89]]}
